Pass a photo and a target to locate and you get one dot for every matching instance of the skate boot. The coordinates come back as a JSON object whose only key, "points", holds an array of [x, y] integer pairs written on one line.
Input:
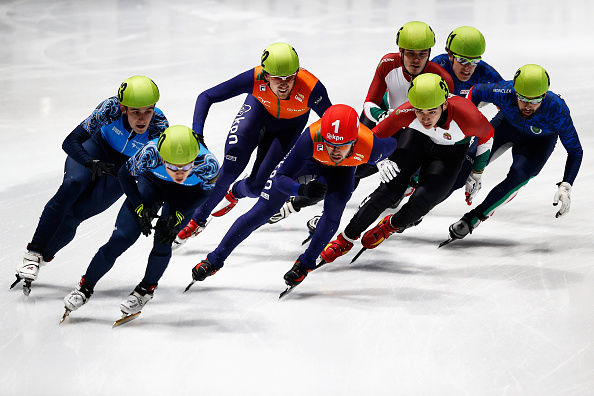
{"points": [[226, 204], [189, 231], [79, 296], [134, 303], [338, 247], [296, 274], [460, 229], [372, 238], [284, 212], [203, 270], [311, 226], [32, 260]]}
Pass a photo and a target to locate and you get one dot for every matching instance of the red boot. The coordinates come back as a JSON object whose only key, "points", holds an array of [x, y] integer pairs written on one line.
{"points": [[372, 238], [189, 231], [338, 247], [225, 207]]}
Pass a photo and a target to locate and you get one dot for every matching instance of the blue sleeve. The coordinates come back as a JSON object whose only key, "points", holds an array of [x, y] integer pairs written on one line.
{"points": [[105, 113], [128, 183], [481, 93], [569, 138], [206, 168], [72, 145], [292, 163], [240, 84], [382, 149], [319, 100], [144, 160]]}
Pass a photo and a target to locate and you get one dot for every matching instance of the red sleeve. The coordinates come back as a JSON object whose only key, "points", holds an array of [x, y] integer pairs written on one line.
{"points": [[400, 118], [470, 119]]}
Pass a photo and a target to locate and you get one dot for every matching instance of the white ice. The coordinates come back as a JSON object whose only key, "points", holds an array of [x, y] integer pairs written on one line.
{"points": [[506, 311]]}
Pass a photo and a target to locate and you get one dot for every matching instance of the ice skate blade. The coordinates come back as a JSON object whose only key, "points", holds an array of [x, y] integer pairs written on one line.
{"points": [[446, 242], [190, 285], [27, 287], [309, 237], [358, 254], [18, 279], [125, 319], [66, 313], [287, 291]]}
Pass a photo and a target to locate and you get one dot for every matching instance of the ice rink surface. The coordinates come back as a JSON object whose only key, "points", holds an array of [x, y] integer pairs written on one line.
{"points": [[507, 311]]}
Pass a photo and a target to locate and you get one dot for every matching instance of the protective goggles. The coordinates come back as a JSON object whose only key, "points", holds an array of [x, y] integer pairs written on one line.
{"points": [[465, 61], [288, 78], [339, 146], [524, 99], [174, 168]]}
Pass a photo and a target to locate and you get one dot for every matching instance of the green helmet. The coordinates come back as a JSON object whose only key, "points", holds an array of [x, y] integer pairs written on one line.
{"points": [[415, 36], [138, 91], [178, 145], [466, 41], [427, 91], [531, 81], [280, 59]]}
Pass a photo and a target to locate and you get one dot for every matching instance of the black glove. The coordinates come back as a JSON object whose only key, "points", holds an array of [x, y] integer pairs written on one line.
{"points": [[145, 217], [99, 168], [315, 189], [167, 228]]}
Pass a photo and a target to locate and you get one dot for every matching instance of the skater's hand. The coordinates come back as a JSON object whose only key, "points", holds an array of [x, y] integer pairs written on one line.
{"points": [[315, 189], [563, 195], [473, 186], [388, 170], [145, 217], [167, 228], [99, 168], [384, 115]]}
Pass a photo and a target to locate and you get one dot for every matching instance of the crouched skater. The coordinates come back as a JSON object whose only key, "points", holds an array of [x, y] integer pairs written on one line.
{"points": [[174, 173], [325, 155]]}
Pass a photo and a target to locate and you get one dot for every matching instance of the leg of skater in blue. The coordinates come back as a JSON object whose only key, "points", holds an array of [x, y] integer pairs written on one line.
{"points": [[93, 201], [77, 185], [125, 234], [529, 156], [183, 199], [245, 225], [271, 151], [251, 129], [341, 183]]}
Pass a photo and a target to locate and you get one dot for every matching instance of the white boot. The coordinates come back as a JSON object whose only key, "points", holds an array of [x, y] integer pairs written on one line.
{"points": [[284, 212], [75, 300], [29, 268], [78, 297], [135, 302]]}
